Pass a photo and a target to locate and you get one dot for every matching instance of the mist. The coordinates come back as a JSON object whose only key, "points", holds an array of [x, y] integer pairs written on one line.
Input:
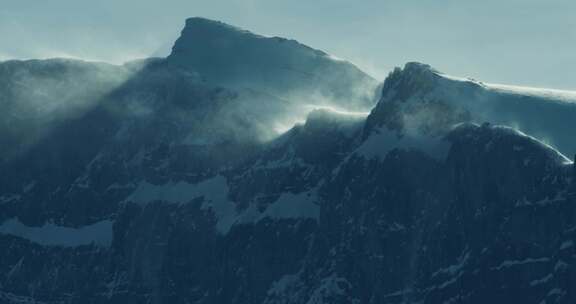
{"points": [[36, 96]]}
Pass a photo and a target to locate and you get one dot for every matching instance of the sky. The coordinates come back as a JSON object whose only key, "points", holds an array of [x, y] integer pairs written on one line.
{"points": [[522, 42]]}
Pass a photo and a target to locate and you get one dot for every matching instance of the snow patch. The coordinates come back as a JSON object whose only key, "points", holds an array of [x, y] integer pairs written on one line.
{"points": [[10, 298], [7, 198], [99, 233], [556, 292], [560, 196], [285, 290], [29, 186], [455, 268], [541, 281], [560, 266], [281, 286], [215, 191], [330, 288], [290, 205], [382, 141], [511, 263], [567, 244]]}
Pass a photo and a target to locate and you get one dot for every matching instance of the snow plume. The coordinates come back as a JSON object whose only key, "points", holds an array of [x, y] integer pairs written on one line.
{"points": [[301, 104], [427, 98], [419, 131], [36, 95], [301, 113], [337, 110]]}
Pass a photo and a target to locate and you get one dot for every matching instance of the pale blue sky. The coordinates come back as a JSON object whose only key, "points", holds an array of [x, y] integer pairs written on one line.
{"points": [[524, 42]]}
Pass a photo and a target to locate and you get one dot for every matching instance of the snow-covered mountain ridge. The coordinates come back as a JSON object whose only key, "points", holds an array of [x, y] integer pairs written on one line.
{"points": [[237, 58], [171, 185], [419, 97]]}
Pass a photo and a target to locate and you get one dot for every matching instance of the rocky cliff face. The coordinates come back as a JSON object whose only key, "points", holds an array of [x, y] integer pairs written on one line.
{"points": [[147, 197]]}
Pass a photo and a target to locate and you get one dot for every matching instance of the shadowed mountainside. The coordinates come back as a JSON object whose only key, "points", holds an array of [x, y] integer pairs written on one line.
{"points": [[167, 188]]}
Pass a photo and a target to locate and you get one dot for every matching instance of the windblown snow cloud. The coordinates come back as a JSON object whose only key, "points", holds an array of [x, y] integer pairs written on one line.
{"points": [[40, 94]]}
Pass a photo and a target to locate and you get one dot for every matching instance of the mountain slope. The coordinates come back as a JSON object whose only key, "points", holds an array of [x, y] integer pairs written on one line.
{"points": [[492, 222], [165, 191], [233, 57], [430, 99]]}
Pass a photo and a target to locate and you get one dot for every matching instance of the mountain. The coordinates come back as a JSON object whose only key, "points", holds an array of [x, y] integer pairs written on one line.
{"points": [[428, 98], [237, 58], [268, 98], [165, 189]]}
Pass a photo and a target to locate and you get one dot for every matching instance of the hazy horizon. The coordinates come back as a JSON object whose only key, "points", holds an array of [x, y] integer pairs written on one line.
{"points": [[529, 43]]}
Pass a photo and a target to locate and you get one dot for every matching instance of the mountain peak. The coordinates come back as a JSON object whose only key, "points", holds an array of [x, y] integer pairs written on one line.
{"points": [[414, 66], [201, 21], [198, 30], [414, 77], [419, 96], [201, 25], [201, 32], [228, 56]]}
